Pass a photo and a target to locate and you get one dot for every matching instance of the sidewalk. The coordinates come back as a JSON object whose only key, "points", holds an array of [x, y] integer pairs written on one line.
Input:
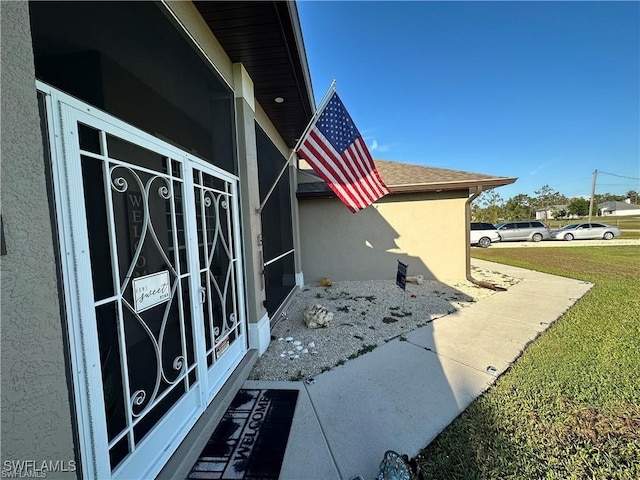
{"points": [[403, 394]]}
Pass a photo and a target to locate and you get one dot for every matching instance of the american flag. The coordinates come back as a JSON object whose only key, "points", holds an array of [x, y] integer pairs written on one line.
{"points": [[335, 150]]}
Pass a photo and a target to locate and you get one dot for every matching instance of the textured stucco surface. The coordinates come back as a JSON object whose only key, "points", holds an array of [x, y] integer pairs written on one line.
{"points": [[425, 231], [36, 418]]}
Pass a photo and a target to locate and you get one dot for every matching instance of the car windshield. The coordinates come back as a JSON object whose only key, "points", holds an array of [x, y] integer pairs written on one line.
{"points": [[571, 227]]}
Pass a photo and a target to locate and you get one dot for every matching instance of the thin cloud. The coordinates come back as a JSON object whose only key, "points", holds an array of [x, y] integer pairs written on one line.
{"points": [[537, 169], [374, 146]]}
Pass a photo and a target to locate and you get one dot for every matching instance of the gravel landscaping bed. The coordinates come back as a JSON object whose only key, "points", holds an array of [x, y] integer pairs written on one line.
{"points": [[366, 314]]}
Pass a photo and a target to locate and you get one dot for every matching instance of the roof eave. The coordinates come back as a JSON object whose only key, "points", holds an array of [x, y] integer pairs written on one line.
{"points": [[471, 185], [459, 185]]}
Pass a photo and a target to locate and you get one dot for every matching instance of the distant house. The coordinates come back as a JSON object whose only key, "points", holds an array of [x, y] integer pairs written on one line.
{"points": [[423, 223], [619, 209], [554, 211]]}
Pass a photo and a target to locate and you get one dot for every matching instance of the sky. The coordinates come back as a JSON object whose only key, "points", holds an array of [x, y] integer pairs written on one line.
{"points": [[546, 91]]}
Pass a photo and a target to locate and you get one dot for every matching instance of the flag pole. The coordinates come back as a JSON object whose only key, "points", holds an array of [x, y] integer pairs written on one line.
{"points": [[319, 110]]}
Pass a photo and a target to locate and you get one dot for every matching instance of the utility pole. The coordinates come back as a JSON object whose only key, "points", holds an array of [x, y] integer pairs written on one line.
{"points": [[593, 192]]}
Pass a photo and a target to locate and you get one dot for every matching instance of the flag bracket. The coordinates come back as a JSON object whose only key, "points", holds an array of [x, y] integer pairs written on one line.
{"points": [[316, 114]]}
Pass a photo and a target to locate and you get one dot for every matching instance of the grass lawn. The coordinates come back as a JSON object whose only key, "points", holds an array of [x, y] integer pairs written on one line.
{"points": [[569, 408]]}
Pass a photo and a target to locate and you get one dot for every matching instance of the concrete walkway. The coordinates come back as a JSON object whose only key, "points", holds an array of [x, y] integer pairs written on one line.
{"points": [[403, 394]]}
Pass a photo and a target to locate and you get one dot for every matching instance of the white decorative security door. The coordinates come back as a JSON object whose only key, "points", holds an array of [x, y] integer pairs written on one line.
{"points": [[152, 274], [218, 247]]}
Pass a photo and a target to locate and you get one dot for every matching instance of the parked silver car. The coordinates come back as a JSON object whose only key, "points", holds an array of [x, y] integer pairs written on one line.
{"points": [[582, 231], [483, 234], [532, 230]]}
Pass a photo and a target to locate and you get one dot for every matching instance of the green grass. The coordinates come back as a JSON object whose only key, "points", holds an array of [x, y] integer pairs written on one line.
{"points": [[569, 408]]}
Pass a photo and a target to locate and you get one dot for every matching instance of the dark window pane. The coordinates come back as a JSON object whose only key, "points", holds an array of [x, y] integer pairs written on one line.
{"points": [[89, 139], [277, 222], [97, 218], [119, 149], [173, 94], [114, 400], [280, 280]]}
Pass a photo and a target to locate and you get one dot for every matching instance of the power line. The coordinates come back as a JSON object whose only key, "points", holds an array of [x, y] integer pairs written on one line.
{"points": [[621, 176]]}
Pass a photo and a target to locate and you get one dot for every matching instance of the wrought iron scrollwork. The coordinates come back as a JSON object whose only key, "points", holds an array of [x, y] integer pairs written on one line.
{"points": [[141, 400]]}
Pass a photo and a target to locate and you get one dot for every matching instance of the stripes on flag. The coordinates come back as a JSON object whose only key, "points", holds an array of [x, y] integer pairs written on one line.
{"points": [[336, 151]]}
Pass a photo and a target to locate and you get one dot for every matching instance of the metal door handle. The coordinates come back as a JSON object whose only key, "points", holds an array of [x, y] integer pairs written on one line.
{"points": [[203, 294]]}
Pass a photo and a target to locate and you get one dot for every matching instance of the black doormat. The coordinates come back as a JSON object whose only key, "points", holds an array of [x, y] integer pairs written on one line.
{"points": [[250, 440]]}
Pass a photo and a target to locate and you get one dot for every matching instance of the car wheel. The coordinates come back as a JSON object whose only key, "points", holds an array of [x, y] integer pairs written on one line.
{"points": [[607, 235], [568, 237], [536, 237], [484, 242]]}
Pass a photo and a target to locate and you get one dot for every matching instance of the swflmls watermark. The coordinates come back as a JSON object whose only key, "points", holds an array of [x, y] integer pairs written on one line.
{"points": [[35, 469]]}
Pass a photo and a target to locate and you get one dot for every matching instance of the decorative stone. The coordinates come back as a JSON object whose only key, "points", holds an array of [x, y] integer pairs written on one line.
{"points": [[297, 342], [317, 316], [311, 344], [304, 350], [299, 347], [288, 339], [290, 352], [418, 279], [281, 339]]}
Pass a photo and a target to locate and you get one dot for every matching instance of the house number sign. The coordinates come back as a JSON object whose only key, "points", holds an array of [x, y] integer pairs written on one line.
{"points": [[151, 290]]}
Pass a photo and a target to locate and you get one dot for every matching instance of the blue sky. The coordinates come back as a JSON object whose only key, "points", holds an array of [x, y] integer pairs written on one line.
{"points": [[544, 91]]}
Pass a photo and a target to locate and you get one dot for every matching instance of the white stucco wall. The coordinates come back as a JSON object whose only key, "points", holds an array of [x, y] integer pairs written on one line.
{"points": [[621, 213], [36, 415], [425, 231]]}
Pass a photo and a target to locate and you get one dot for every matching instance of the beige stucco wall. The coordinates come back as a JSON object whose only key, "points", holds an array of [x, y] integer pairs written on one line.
{"points": [[36, 416], [425, 231]]}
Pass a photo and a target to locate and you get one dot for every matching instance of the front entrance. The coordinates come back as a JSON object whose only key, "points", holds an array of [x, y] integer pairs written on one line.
{"points": [[150, 254]]}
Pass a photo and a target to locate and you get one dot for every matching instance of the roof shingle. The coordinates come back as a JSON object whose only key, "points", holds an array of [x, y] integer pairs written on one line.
{"points": [[406, 178]]}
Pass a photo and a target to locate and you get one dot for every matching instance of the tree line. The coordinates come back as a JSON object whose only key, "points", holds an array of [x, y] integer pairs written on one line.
{"points": [[492, 208]]}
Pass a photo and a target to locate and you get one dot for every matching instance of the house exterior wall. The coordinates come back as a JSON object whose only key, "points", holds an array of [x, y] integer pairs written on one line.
{"points": [[36, 412], [426, 231], [620, 213]]}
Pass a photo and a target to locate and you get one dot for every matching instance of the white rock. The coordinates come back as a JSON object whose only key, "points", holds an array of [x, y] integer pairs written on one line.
{"points": [[290, 352], [282, 355], [299, 347], [281, 339], [304, 350], [297, 342], [296, 356], [317, 316], [288, 339], [311, 344]]}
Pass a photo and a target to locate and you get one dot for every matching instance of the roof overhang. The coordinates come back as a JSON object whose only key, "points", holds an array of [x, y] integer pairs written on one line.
{"points": [[266, 37], [322, 190], [471, 185], [435, 180]]}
